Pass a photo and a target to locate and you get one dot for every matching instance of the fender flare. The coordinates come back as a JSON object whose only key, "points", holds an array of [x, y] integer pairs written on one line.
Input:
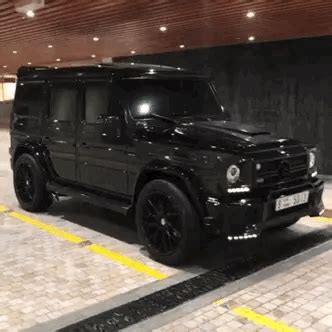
{"points": [[185, 178], [37, 151]]}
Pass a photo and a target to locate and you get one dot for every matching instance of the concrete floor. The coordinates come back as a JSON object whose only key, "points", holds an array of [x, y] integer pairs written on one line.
{"points": [[77, 260]]}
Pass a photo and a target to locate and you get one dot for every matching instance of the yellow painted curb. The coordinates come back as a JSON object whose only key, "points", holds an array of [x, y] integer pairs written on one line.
{"points": [[259, 319]]}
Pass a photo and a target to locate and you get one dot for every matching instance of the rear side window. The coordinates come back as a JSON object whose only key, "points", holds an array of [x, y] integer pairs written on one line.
{"points": [[30, 99], [63, 103], [97, 101]]}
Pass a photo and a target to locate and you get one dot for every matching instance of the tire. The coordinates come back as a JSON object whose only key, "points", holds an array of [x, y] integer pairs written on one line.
{"points": [[30, 185], [169, 230]]}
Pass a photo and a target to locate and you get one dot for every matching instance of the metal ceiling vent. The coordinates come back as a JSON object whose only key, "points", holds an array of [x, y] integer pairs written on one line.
{"points": [[24, 6]]}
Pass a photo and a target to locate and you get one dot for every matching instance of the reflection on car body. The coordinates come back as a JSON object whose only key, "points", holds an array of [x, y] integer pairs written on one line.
{"points": [[156, 142]]}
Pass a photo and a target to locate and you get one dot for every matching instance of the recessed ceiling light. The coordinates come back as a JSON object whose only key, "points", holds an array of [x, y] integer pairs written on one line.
{"points": [[30, 13], [56, 67], [251, 14], [181, 46], [251, 38], [132, 63], [50, 46], [58, 59], [4, 66], [95, 39], [93, 55], [179, 68], [29, 63], [163, 29], [133, 52], [14, 52]]}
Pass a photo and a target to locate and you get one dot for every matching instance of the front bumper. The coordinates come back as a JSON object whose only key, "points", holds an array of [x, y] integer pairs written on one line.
{"points": [[248, 215]]}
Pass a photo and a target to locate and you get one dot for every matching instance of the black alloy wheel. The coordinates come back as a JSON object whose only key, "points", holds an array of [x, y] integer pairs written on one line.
{"points": [[167, 222], [24, 183], [30, 184], [162, 223]]}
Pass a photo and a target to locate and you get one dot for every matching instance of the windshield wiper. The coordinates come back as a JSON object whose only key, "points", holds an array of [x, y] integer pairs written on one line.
{"points": [[164, 118]]}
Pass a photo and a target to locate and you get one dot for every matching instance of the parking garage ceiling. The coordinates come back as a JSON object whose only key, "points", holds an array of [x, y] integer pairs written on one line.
{"points": [[82, 30]]}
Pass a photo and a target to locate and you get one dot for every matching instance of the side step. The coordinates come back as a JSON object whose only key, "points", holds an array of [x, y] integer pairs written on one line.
{"points": [[106, 201]]}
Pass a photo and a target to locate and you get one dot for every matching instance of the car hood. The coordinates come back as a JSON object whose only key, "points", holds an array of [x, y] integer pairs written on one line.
{"points": [[230, 135]]}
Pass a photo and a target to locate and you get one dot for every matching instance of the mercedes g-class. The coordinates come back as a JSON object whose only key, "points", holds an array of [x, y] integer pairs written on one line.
{"points": [[155, 141]]}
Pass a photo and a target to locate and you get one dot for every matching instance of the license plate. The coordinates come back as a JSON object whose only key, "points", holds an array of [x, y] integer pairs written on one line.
{"points": [[287, 202]]}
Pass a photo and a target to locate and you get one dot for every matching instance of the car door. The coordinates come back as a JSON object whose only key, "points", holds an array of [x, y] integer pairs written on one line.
{"points": [[102, 159], [59, 133]]}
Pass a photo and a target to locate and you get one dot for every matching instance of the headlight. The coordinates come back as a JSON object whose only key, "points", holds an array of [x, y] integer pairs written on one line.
{"points": [[312, 159], [233, 174]]}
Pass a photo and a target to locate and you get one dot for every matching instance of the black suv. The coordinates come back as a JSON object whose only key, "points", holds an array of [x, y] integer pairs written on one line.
{"points": [[156, 141]]}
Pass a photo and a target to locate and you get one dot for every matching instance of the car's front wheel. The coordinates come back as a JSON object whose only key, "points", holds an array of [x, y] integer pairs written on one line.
{"points": [[30, 184], [167, 222]]}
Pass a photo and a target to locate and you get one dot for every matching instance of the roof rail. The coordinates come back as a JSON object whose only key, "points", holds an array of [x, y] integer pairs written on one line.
{"points": [[28, 69]]}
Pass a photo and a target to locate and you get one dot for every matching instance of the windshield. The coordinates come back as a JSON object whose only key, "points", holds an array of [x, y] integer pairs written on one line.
{"points": [[171, 98]]}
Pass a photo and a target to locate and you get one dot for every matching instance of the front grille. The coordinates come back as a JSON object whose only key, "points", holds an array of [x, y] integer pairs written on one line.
{"points": [[282, 170]]}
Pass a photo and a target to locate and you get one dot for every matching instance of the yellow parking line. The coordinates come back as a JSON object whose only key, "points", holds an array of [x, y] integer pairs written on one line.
{"points": [[3, 208], [323, 219], [263, 320], [96, 248], [219, 301], [124, 260], [46, 227]]}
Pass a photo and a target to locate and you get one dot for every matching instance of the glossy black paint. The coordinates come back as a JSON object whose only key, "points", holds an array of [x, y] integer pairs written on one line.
{"points": [[115, 156]]}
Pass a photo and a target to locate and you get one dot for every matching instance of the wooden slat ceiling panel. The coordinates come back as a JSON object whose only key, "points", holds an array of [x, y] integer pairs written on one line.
{"points": [[125, 25]]}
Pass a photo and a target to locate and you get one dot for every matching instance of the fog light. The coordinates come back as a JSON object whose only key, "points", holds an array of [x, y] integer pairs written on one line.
{"points": [[238, 190]]}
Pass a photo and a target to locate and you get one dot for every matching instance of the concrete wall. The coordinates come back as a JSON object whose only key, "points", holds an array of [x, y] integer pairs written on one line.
{"points": [[283, 86], [5, 109]]}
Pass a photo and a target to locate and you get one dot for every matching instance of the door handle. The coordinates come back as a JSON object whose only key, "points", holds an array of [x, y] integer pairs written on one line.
{"points": [[47, 139], [84, 145]]}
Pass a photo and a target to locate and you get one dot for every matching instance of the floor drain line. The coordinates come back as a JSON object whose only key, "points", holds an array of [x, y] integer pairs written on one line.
{"points": [[156, 303]]}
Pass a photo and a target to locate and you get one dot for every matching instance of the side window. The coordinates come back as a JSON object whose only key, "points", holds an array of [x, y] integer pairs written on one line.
{"points": [[116, 108], [30, 99], [97, 101], [63, 103]]}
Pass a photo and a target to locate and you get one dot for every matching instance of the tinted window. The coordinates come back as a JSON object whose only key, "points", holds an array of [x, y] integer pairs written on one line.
{"points": [[63, 103], [97, 102], [171, 98], [30, 99]]}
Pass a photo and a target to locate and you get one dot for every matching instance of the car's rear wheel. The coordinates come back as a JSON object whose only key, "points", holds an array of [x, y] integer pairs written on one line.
{"points": [[167, 222], [30, 184]]}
